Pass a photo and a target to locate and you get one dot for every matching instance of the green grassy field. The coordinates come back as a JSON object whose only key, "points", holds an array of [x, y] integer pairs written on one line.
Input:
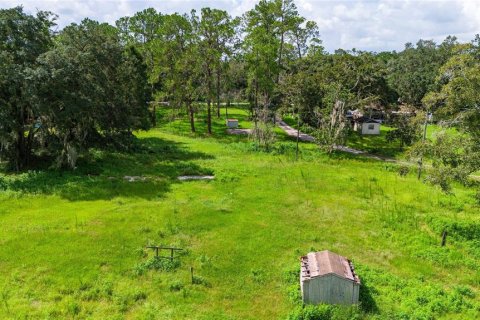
{"points": [[72, 244]]}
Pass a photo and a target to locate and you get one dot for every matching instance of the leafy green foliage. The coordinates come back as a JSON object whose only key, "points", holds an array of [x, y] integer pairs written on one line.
{"points": [[408, 130], [157, 264], [23, 38], [89, 89], [458, 98], [84, 91], [453, 158], [412, 73]]}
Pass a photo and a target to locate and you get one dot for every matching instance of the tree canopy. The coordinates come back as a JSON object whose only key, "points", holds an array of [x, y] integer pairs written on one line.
{"points": [[93, 84]]}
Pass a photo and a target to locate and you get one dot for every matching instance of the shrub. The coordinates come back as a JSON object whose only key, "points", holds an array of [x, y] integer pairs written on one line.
{"points": [[158, 264], [264, 135], [3, 184], [403, 171], [292, 279], [176, 286], [311, 312]]}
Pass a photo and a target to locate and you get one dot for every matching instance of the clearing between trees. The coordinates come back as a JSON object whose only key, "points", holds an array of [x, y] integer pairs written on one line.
{"points": [[73, 243]]}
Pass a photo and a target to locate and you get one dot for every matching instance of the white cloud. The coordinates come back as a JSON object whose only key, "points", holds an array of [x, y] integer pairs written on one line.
{"points": [[363, 24]]}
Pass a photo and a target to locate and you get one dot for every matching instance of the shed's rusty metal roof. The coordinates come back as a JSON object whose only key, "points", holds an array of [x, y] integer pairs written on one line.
{"points": [[317, 264]]}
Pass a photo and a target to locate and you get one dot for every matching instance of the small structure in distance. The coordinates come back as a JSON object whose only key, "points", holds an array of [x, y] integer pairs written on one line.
{"points": [[366, 126], [326, 277], [187, 178], [232, 123]]}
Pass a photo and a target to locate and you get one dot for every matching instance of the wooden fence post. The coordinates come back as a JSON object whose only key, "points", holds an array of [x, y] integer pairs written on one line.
{"points": [[444, 238]]}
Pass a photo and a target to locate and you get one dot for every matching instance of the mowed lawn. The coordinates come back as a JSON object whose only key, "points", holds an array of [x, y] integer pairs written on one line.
{"points": [[72, 244]]}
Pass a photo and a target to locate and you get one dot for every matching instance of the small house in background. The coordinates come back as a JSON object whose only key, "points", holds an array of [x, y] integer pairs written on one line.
{"points": [[232, 123], [326, 277], [365, 125]]}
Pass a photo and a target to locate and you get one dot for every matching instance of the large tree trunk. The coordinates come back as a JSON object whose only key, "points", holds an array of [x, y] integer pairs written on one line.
{"points": [[209, 116], [192, 117], [282, 40], [218, 93], [20, 151], [209, 102], [227, 105], [277, 80], [256, 102], [154, 115]]}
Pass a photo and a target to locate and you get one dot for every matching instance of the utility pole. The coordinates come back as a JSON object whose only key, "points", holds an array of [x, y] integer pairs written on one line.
{"points": [[420, 161]]}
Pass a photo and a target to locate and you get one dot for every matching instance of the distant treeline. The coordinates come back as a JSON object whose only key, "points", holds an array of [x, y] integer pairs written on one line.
{"points": [[62, 93]]}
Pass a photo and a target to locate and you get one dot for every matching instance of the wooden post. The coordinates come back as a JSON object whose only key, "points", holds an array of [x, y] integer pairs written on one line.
{"points": [[444, 237], [158, 248], [191, 273]]}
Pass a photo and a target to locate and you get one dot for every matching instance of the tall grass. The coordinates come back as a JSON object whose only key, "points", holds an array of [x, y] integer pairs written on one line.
{"points": [[71, 242]]}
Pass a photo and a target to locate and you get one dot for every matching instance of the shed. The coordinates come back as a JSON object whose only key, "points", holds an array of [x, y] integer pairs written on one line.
{"points": [[326, 277], [365, 125], [232, 123]]}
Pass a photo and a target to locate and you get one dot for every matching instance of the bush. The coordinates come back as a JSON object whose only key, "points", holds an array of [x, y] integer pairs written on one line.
{"points": [[325, 312], [292, 279], [264, 135], [403, 171], [176, 286], [158, 264], [3, 184]]}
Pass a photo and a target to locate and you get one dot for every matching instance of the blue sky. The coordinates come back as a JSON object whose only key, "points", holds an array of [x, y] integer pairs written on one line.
{"points": [[374, 25]]}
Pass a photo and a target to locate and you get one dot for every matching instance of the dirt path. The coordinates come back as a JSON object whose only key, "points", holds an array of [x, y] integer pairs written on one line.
{"points": [[293, 132], [305, 137]]}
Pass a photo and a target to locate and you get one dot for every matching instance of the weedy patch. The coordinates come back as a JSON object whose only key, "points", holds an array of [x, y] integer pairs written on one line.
{"points": [[176, 286], [403, 171], [157, 264], [124, 301], [259, 276], [198, 280]]}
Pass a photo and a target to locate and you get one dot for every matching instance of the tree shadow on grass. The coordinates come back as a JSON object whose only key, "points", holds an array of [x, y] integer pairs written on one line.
{"points": [[181, 126], [375, 144], [367, 302], [155, 165]]}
